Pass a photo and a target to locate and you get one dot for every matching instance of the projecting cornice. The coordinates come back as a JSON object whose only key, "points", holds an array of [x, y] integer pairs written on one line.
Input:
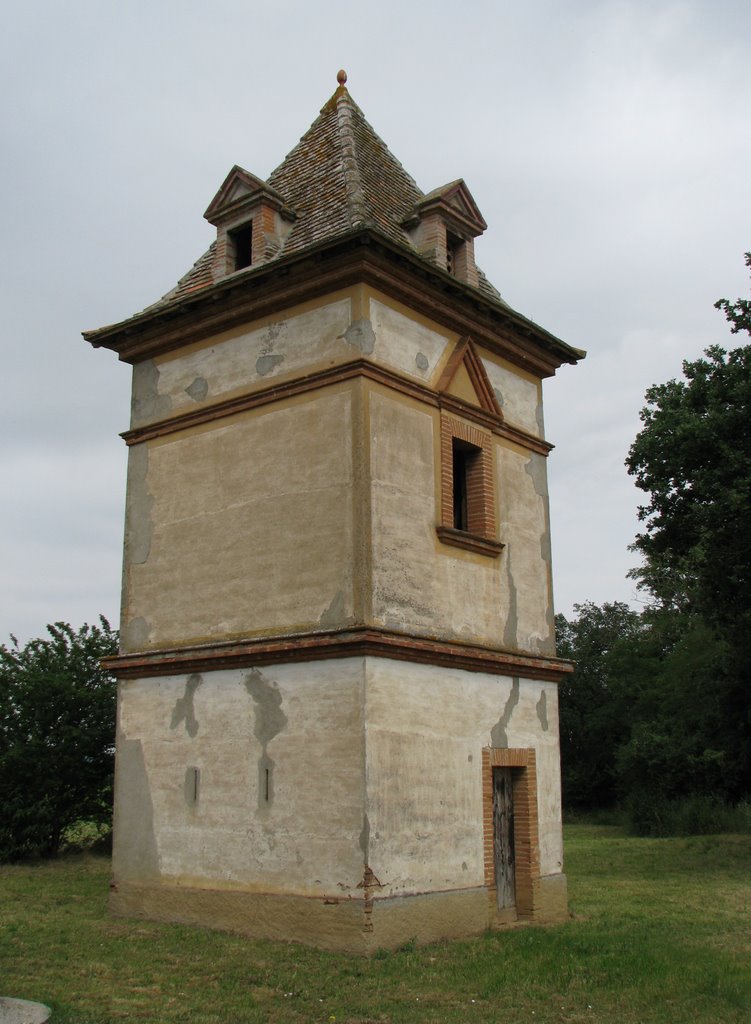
{"points": [[349, 643], [365, 256]]}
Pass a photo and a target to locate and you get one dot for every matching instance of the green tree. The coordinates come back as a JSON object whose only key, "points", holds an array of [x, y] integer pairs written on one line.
{"points": [[57, 729], [596, 700], [738, 312], [693, 458]]}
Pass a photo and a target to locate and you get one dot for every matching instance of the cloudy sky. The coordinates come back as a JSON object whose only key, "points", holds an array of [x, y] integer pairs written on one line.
{"points": [[605, 141]]}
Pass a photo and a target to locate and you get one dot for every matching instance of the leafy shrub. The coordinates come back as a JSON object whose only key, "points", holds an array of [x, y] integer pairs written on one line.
{"points": [[57, 734], [690, 816]]}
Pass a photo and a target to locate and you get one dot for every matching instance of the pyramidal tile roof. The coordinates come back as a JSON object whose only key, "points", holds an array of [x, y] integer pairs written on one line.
{"points": [[339, 177]]}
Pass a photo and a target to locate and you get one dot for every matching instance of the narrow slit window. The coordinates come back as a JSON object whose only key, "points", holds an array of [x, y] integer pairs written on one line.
{"points": [[465, 462], [192, 785]]}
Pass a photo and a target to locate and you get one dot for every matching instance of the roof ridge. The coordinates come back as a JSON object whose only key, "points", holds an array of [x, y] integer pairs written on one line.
{"points": [[353, 188]]}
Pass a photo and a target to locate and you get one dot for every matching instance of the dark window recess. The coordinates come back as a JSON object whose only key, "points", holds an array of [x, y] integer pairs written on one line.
{"points": [[453, 250], [465, 460], [242, 246]]}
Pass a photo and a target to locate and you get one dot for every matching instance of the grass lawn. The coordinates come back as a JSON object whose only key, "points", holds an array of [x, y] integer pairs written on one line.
{"points": [[661, 931]]}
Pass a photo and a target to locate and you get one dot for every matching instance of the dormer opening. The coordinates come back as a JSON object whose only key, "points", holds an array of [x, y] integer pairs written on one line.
{"points": [[240, 248], [455, 256]]}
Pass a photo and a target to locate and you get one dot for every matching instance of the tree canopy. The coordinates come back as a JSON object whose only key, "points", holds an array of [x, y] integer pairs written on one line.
{"points": [[693, 457], [659, 707], [57, 735]]}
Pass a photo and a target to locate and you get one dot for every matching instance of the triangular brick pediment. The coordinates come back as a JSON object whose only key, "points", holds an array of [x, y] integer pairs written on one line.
{"points": [[238, 188], [464, 377], [456, 201]]}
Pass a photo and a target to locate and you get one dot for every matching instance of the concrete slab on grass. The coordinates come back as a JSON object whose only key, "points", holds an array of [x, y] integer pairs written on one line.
{"points": [[21, 1011]]}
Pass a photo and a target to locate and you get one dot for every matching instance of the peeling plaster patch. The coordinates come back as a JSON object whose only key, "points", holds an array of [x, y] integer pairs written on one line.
{"points": [[470, 758], [540, 419], [542, 710], [535, 468], [135, 634], [268, 360], [147, 403], [422, 361], [136, 811], [138, 507], [361, 335], [499, 396], [265, 364], [550, 620], [269, 722], [334, 614], [498, 736], [198, 389], [183, 710], [464, 866], [365, 836], [512, 619], [272, 333]]}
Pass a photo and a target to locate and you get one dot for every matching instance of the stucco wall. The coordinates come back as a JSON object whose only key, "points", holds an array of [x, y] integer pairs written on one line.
{"points": [[420, 585], [519, 394], [301, 722], [313, 337], [425, 732], [371, 762], [242, 526]]}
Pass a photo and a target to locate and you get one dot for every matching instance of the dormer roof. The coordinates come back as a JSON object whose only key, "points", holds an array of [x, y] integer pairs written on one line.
{"points": [[242, 191], [457, 205], [339, 177], [339, 190]]}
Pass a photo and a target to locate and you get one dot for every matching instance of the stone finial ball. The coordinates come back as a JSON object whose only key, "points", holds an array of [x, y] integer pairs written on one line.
{"points": [[341, 77]]}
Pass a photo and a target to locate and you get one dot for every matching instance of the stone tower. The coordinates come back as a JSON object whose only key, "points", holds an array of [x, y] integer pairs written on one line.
{"points": [[338, 716]]}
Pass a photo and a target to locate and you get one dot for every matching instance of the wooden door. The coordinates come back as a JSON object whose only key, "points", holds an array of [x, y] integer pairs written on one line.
{"points": [[503, 837]]}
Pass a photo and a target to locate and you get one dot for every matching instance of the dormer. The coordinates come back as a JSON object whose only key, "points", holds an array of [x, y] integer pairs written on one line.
{"points": [[251, 220], [443, 228]]}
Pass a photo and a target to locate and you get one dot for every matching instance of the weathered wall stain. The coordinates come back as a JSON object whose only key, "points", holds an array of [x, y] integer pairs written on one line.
{"points": [[499, 396], [498, 735], [268, 360], [542, 710], [365, 836], [138, 504], [535, 468], [360, 335], [134, 634], [268, 723], [540, 420], [135, 812], [421, 360], [512, 616], [183, 710]]}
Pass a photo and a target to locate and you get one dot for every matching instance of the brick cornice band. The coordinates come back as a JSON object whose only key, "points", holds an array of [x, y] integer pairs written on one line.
{"points": [[363, 642], [326, 378]]}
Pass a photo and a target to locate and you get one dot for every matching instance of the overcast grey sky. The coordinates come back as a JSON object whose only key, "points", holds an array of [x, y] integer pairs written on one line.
{"points": [[606, 144]]}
